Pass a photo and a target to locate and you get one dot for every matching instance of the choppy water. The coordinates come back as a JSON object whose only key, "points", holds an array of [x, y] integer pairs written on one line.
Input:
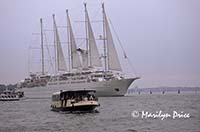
{"points": [[32, 115]]}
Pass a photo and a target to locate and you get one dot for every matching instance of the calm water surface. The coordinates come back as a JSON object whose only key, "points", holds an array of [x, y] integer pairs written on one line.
{"points": [[115, 115]]}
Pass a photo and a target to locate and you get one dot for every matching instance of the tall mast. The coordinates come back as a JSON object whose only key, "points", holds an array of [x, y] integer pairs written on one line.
{"points": [[54, 31], [104, 39], [113, 62], [69, 44], [60, 58], [86, 36], [42, 45], [75, 60]]}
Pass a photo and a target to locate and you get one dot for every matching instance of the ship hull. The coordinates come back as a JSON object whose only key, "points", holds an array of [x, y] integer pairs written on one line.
{"points": [[103, 89]]}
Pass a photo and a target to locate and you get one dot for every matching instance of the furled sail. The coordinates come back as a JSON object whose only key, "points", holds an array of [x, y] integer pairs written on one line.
{"points": [[75, 59], [113, 60], [60, 56], [93, 51]]}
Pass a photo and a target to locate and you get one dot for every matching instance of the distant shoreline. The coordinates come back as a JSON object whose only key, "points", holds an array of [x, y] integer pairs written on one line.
{"points": [[164, 89]]}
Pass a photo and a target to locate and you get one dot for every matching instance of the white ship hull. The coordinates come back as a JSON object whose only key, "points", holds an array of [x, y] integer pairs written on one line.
{"points": [[103, 88]]}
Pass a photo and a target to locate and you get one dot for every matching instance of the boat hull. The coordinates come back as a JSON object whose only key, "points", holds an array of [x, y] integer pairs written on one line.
{"points": [[13, 99], [103, 88], [76, 108]]}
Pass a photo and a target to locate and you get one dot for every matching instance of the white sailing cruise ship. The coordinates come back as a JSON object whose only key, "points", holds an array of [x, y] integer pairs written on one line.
{"points": [[84, 65]]}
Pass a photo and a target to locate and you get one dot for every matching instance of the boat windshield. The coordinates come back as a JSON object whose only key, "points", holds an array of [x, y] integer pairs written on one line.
{"points": [[74, 94], [80, 95]]}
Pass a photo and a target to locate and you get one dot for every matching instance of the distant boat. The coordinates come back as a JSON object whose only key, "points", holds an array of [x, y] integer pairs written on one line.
{"points": [[9, 96], [179, 91], [84, 65]]}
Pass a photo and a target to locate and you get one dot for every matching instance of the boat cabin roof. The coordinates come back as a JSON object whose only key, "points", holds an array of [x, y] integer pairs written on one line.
{"points": [[74, 91]]}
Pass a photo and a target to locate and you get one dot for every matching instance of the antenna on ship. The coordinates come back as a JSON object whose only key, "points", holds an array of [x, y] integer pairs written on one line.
{"points": [[42, 45]]}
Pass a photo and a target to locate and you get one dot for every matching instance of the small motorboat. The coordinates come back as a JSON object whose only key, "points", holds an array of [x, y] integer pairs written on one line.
{"points": [[77, 100]]}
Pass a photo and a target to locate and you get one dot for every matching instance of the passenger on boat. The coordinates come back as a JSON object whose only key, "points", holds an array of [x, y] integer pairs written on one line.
{"points": [[65, 98], [91, 98], [61, 98], [85, 99]]}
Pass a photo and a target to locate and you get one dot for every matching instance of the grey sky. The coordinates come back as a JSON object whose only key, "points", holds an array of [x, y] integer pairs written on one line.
{"points": [[161, 37]]}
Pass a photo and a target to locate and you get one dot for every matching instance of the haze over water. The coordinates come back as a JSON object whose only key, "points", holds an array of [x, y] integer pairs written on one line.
{"points": [[115, 115]]}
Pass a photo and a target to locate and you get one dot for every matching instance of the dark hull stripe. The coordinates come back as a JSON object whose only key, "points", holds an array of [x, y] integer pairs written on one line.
{"points": [[75, 108]]}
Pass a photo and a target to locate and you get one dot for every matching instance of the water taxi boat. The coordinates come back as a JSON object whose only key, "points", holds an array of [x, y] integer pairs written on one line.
{"points": [[76, 100], [9, 96]]}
